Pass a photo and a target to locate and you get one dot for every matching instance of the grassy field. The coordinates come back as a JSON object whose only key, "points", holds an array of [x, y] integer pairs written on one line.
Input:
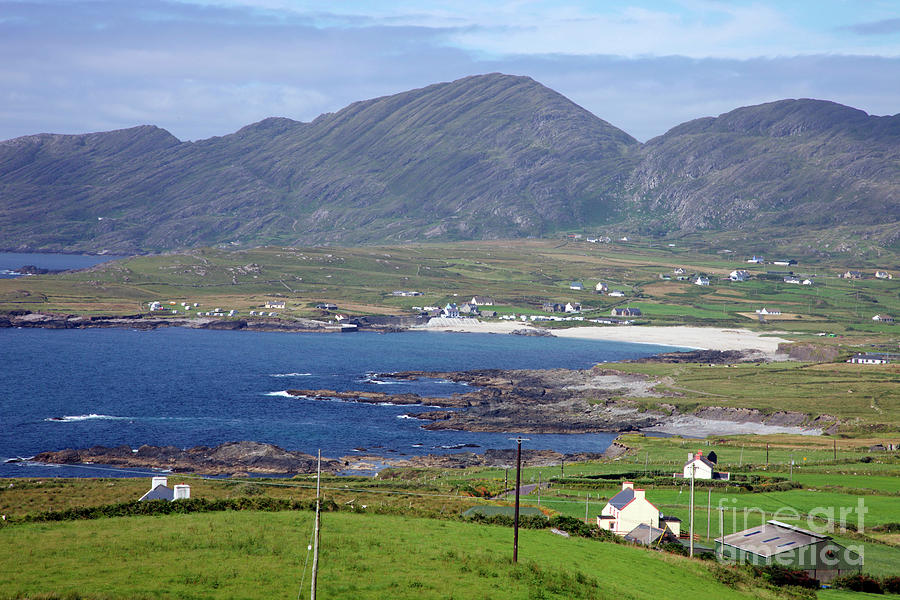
{"points": [[264, 555], [519, 274]]}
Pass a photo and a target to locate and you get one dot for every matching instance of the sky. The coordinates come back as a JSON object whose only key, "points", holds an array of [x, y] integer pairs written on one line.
{"points": [[204, 68]]}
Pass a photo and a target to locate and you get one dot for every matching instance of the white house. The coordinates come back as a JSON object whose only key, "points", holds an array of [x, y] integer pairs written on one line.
{"points": [[766, 311], [274, 304], [756, 259], [576, 285], [573, 307], [883, 318], [807, 282], [883, 275], [701, 467], [160, 490], [155, 306], [678, 271], [702, 280], [630, 509], [795, 280], [601, 288], [451, 311], [739, 275], [617, 294], [871, 358], [482, 301]]}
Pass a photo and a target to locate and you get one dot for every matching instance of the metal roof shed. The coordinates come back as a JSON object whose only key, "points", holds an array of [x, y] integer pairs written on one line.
{"points": [[777, 543]]}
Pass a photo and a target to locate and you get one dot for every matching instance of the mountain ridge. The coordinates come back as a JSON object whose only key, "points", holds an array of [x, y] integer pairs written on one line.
{"points": [[484, 157]]}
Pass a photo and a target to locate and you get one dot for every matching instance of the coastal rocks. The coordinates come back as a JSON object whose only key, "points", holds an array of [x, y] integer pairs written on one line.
{"points": [[528, 401], [224, 459], [713, 357], [532, 332], [503, 458]]}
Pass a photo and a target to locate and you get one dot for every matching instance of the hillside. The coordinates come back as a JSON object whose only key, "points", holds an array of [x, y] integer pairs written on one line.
{"points": [[485, 157], [792, 162]]}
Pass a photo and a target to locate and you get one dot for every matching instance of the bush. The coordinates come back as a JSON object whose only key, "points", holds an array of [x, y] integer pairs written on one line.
{"points": [[860, 582], [891, 585], [781, 576]]}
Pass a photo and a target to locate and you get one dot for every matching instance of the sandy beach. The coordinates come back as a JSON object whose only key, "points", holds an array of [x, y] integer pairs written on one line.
{"points": [[704, 338]]}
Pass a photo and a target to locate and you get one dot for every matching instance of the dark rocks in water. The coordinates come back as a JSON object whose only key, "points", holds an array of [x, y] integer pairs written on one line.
{"points": [[227, 458], [532, 332], [34, 270]]}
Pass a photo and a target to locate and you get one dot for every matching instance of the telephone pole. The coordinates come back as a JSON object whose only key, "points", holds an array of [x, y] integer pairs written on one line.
{"points": [[519, 441], [693, 469], [315, 565]]}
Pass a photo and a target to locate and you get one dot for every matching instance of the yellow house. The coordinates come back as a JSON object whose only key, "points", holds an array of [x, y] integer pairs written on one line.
{"points": [[630, 508]]}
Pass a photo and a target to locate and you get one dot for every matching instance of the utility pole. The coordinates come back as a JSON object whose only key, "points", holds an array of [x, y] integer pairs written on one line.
{"points": [[767, 455], [693, 469], [315, 565], [506, 480], [562, 467], [792, 466], [835, 449], [741, 464], [518, 484], [539, 489], [586, 498], [708, 509], [646, 460]]}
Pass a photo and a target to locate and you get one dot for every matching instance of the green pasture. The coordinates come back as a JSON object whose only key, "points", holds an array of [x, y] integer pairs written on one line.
{"points": [[519, 274], [264, 555]]}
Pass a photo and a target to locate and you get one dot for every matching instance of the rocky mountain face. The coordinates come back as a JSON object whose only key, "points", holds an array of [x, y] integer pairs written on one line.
{"points": [[792, 162], [490, 156]]}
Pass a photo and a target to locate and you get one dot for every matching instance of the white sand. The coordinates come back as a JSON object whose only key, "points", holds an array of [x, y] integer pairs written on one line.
{"points": [[704, 338]]}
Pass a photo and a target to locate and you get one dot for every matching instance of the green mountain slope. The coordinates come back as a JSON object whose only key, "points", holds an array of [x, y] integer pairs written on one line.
{"points": [[792, 162], [485, 157]]}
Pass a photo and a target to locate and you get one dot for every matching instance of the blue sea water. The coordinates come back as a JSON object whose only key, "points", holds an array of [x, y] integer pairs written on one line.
{"points": [[10, 261], [79, 388]]}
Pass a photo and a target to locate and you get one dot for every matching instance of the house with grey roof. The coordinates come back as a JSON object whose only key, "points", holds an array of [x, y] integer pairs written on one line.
{"points": [[777, 543], [650, 536], [701, 467], [160, 490], [630, 508]]}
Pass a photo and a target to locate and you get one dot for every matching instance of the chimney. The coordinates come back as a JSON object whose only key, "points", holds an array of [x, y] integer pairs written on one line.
{"points": [[158, 481], [627, 485], [182, 492], [639, 494]]}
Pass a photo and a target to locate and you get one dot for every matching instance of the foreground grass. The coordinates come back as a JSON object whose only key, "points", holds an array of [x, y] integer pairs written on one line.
{"points": [[263, 555]]}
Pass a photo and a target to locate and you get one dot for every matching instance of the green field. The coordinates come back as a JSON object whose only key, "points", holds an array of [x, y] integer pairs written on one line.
{"points": [[264, 555]]}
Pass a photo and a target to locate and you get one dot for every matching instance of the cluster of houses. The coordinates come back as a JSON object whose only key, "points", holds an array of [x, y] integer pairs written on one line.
{"points": [[861, 275], [631, 515], [186, 307]]}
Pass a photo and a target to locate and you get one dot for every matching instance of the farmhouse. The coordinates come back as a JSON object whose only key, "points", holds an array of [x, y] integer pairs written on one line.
{"points": [[852, 275], [553, 307], [871, 358], [883, 318], [766, 311], [160, 490], [617, 294], [625, 312], [576, 285], [702, 280], [777, 543], [572, 307], [469, 309], [482, 301], [739, 275], [275, 304], [883, 275], [630, 509], [600, 288], [756, 259], [451, 311], [702, 467]]}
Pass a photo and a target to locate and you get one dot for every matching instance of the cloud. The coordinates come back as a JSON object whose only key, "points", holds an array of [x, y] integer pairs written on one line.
{"points": [[201, 70], [883, 27]]}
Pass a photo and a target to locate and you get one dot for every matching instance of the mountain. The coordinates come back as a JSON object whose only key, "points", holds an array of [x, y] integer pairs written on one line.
{"points": [[792, 162], [489, 156], [483, 157]]}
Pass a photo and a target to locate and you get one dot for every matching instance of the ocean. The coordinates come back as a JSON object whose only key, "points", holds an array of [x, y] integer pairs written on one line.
{"points": [[184, 387], [79, 388]]}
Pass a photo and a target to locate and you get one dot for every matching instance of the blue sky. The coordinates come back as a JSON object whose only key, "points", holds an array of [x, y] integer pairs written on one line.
{"points": [[202, 68]]}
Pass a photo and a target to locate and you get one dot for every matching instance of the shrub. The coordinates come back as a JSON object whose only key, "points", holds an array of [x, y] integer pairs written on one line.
{"points": [[891, 585], [781, 576], [859, 582]]}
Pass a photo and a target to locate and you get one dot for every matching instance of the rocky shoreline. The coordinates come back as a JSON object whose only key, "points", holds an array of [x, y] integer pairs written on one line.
{"points": [[242, 459]]}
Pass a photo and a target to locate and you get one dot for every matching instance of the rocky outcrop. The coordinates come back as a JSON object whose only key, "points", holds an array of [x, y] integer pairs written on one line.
{"points": [[224, 459], [530, 401], [145, 321]]}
